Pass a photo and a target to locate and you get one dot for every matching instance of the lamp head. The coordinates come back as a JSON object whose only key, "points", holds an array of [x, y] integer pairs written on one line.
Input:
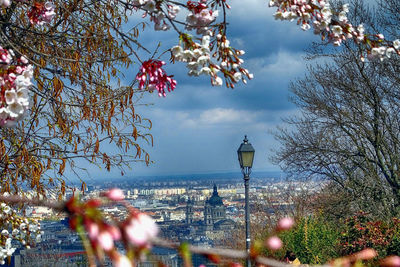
{"points": [[245, 154]]}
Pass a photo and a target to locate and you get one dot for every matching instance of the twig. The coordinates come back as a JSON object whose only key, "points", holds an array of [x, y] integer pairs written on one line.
{"points": [[229, 253], [14, 199]]}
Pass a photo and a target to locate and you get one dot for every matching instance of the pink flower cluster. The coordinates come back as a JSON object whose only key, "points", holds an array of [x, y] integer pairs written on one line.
{"points": [[140, 229], [15, 80], [333, 25], [102, 234], [156, 12], [274, 242], [41, 13], [5, 3], [200, 17], [152, 76], [136, 231]]}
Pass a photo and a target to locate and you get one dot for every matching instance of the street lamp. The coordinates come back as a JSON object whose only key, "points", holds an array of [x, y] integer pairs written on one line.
{"points": [[246, 156]]}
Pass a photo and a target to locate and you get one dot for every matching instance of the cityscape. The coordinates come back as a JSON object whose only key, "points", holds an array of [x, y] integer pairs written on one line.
{"points": [[204, 212], [121, 125]]}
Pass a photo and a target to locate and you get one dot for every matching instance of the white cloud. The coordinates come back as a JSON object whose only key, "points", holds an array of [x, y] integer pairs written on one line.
{"points": [[220, 116], [226, 118], [284, 63], [251, 10]]}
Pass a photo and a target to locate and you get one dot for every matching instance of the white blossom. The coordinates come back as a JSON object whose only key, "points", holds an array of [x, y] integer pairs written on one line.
{"points": [[396, 44]]}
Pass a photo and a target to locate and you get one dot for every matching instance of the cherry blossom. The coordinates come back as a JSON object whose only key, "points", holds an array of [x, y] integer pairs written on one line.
{"points": [[198, 59], [285, 224], [140, 229], [391, 261], [41, 13], [136, 231], [366, 254], [208, 52], [5, 3], [152, 76], [14, 83], [105, 240], [15, 227], [158, 13], [115, 194], [200, 17], [273, 243], [122, 261], [333, 25]]}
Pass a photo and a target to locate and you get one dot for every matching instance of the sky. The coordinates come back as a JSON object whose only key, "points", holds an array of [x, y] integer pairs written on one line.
{"points": [[198, 128]]}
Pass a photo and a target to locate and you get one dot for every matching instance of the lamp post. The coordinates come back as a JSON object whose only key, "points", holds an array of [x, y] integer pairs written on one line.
{"points": [[246, 156]]}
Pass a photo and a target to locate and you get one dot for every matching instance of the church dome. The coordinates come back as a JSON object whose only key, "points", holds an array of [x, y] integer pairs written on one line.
{"points": [[215, 199]]}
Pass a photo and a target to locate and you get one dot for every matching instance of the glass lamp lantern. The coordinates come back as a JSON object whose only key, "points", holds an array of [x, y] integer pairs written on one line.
{"points": [[246, 155]]}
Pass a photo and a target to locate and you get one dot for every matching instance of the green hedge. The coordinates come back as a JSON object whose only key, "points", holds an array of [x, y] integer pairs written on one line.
{"points": [[316, 240]]}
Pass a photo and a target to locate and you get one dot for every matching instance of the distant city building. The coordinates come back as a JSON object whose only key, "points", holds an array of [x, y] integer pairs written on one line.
{"points": [[214, 224]]}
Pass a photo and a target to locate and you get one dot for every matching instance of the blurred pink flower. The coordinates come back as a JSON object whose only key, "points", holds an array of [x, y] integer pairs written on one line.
{"points": [[285, 224], [115, 194], [114, 232], [391, 261], [141, 229], [105, 240], [273, 243], [366, 254], [122, 261], [93, 230]]}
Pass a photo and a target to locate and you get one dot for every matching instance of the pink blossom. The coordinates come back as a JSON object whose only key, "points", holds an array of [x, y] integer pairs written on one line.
{"points": [[114, 232], [41, 13], [153, 76], [105, 240], [115, 194], [391, 261], [366, 254], [93, 230], [15, 80], [285, 224], [141, 229], [122, 261], [5, 57], [5, 3], [200, 17], [273, 243]]}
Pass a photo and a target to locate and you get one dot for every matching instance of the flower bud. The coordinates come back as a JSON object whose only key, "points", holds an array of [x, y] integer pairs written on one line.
{"points": [[273, 243], [391, 261], [366, 254], [115, 194], [285, 224]]}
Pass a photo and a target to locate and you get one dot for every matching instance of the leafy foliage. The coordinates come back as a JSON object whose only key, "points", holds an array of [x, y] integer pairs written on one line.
{"points": [[79, 103], [313, 240], [359, 232]]}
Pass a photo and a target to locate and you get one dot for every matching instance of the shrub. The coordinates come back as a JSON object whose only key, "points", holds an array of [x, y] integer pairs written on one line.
{"points": [[313, 240], [359, 233]]}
